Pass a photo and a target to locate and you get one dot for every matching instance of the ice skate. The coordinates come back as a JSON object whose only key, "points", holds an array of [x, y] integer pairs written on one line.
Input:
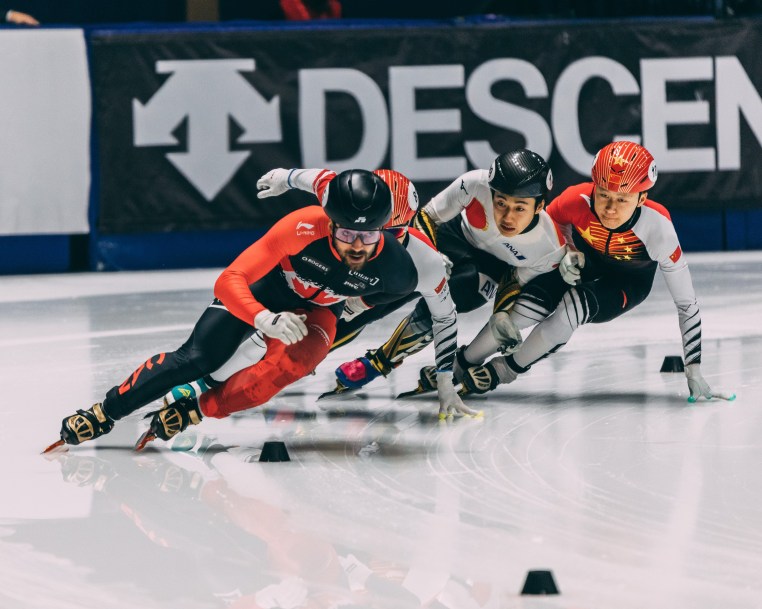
{"points": [[170, 421], [340, 389], [479, 380], [426, 383], [351, 376], [82, 426]]}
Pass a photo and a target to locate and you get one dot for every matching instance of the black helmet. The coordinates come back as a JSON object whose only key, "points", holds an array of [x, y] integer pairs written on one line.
{"points": [[521, 173], [358, 199]]}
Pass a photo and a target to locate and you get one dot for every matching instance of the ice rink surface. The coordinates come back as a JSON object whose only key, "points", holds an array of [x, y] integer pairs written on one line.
{"points": [[592, 465]]}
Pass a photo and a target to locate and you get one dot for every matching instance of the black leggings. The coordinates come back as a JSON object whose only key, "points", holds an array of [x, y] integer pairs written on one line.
{"points": [[604, 293], [213, 340]]}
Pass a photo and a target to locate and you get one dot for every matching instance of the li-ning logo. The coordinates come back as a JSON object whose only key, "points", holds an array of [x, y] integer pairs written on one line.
{"points": [[208, 163], [309, 229], [360, 219]]}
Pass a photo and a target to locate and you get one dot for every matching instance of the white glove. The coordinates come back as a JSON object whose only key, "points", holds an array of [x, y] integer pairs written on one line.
{"points": [[287, 327], [353, 306], [450, 402], [273, 183], [448, 264], [570, 266], [700, 388], [505, 332]]}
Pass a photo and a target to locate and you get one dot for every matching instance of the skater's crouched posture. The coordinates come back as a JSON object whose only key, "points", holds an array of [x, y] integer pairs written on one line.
{"points": [[291, 286], [618, 238], [432, 287], [492, 226]]}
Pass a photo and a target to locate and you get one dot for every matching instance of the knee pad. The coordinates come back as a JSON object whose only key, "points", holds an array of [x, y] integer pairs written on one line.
{"points": [[508, 291], [532, 306], [580, 306]]}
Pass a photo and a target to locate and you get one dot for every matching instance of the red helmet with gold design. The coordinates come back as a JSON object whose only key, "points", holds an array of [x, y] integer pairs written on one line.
{"points": [[404, 197], [624, 167]]}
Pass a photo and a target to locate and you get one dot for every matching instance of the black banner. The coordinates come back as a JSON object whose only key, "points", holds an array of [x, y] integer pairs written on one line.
{"points": [[188, 121]]}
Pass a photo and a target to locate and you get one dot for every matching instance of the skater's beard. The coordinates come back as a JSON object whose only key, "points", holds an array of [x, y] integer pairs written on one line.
{"points": [[354, 255], [355, 260]]}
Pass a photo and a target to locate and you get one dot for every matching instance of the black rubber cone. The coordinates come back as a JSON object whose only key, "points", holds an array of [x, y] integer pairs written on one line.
{"points": [[274, 451], [672, 363], [540, 582]]}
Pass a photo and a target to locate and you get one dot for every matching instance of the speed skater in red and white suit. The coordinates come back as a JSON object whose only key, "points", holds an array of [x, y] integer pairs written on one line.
{"points": [[291, 286], [618, 238], [432, 286]]}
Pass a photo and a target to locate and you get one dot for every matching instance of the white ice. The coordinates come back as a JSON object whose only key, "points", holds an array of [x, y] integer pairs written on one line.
{"points": [[592, 465]]}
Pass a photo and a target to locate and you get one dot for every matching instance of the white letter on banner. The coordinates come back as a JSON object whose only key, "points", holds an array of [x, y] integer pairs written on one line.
{"points": [[532, 126], [735, 95], [407, 121], [565, 108], [313, 85], [658, 113]]}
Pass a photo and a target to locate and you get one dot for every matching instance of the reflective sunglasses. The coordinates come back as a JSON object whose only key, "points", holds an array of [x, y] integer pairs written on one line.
{"points": [[348, 235]]}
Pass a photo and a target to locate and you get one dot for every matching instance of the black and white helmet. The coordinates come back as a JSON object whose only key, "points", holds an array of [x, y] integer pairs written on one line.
{"points": [[521, 173], [358, 199]]}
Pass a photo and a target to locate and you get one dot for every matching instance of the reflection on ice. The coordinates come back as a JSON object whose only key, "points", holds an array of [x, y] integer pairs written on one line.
{"points": [[594, 466]]}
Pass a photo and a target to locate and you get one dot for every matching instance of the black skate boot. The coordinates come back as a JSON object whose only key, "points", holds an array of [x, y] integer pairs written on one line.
{"points": [[357, 373], [171, 420], [427, 382], [84, 425], [499, 370]]}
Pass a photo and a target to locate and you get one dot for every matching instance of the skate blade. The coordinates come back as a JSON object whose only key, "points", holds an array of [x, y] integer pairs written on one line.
{"points": [[144, 440], [52, 447], [338, 392], [417, 391], [340, 389]]}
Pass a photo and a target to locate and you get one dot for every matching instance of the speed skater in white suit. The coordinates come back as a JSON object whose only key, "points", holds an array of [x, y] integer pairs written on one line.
{"points": [[432, 287], [617, 237], [492, 227]]}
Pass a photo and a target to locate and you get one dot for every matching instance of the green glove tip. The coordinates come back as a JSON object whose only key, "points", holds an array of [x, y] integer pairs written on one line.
{"points": [[731, 397], [692, 400]]}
